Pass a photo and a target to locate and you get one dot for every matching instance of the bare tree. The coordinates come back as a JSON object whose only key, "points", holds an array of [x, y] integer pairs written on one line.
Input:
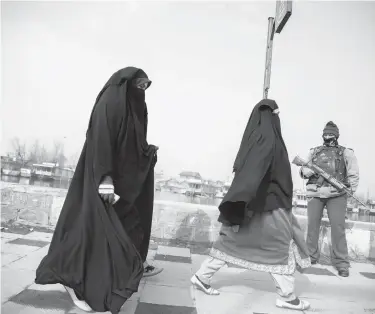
{"points": [[44, 155], [73, 160], [20, 150], [58, 155], [35, 152]]}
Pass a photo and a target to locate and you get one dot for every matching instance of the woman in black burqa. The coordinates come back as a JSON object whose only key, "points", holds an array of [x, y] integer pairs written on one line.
{"points": [[259, 231], [98, 249], [263, 179]]}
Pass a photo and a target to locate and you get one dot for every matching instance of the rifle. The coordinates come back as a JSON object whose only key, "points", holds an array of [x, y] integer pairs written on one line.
{"points": [[298, 161]]}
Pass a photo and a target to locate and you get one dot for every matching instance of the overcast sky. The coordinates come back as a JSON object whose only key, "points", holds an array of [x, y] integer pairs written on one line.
{"points": [[206, 61]]}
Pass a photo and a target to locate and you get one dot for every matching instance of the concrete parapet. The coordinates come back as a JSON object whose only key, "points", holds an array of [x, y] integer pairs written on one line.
{"points": [[198, 224], [18, 205], [184, 223]]}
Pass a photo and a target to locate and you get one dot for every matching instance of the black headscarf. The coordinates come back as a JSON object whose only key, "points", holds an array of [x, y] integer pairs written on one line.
{"points": [[263, 179], [91, 251], [128, 158], [132, 78]]}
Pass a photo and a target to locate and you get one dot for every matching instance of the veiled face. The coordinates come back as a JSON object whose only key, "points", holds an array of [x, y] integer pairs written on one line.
{"points": [[330, 139], [141, 83], [142, 86]]}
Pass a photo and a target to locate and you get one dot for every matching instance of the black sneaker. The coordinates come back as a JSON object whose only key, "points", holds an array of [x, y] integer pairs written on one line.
{"points": [[343, 272], [150, 271]]}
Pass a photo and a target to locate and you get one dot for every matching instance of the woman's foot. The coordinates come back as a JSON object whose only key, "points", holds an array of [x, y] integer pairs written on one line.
{"points": [[207, 289], [78, 303], [296, 304]]}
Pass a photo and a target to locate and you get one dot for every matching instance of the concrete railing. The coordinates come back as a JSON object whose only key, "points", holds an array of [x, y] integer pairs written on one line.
{"points": [[198, 223], [183, 223]]}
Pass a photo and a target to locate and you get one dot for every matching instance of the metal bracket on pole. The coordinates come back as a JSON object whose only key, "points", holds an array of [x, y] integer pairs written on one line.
{"points": [[267, 71]]}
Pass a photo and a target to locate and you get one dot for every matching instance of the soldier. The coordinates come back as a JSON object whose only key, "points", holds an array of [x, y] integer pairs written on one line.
{"points": [[341, 163]]}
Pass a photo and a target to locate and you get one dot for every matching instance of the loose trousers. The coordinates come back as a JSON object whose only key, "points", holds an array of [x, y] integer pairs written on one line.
{"points": [[336, 209], [284, 283]]}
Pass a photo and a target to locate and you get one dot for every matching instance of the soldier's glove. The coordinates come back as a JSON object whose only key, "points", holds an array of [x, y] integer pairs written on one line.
{"points": [[349, 187], [107, 190], [306, 172]]}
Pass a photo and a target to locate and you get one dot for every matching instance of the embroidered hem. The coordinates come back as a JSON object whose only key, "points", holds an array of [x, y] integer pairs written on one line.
{"points": [[287, 269]]}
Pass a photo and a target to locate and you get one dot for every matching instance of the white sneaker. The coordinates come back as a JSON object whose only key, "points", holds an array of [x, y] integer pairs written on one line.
{"points": [[303, 305], [207, 289], [78, 303]]}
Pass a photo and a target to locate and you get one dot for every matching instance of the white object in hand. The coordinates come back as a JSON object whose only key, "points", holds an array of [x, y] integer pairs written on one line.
{"points": [[106, 188], [115, 199]]}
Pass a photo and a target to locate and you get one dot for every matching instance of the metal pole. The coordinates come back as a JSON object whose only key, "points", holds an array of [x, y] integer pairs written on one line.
{"points": [[267, 71]]}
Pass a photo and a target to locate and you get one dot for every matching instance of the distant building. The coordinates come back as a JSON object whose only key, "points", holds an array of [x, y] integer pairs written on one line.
{"points": [[10, 166], [211, 188], [159, 175], [371, 205], [63, 173], [51, 171], [219, 183], [25, 173], [226, 185], [175, 186], [44, 170], [190, 175], [194, 181], [299, 199]]}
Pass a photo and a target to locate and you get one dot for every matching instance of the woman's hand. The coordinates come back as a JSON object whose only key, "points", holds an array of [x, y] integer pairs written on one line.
{"points": [[107, 190]]}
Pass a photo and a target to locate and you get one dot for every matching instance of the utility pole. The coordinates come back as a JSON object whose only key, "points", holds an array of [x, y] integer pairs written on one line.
{"points": [[283, 12], [267, 70]]}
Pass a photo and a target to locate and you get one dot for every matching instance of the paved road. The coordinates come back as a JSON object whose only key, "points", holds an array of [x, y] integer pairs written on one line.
{"points": [[170, 292]]}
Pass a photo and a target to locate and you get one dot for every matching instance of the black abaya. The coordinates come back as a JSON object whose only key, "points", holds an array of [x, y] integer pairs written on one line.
{"points": [[262, 179], [92, 250]]}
